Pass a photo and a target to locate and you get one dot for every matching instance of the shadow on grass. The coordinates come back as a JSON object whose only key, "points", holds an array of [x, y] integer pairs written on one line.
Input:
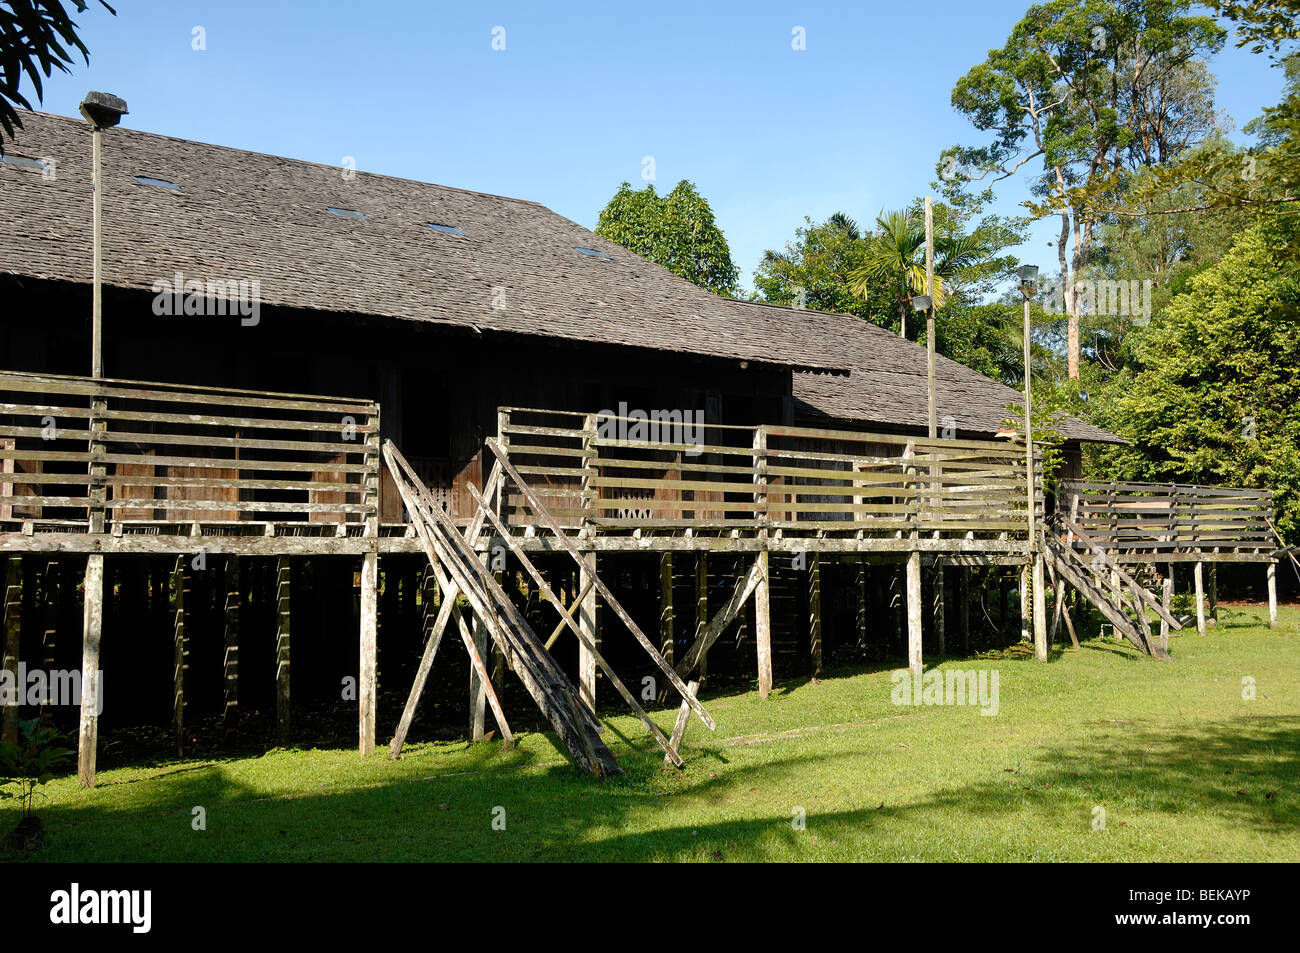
{"points": [[1243, 771]]}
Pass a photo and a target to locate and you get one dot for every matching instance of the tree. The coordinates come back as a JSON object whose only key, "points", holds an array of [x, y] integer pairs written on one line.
{"points": [[676, 230], [33, 36], [895, 260], [813, 272], [1095, 90], [1213, 395]]}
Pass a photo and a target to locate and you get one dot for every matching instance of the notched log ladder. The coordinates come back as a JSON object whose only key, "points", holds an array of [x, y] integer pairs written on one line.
{"points": [[1076, 558], [459, 570]]}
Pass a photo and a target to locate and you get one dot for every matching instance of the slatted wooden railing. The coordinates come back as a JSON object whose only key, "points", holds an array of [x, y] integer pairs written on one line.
{"points": [[612, 473], [78, 454], [1160, 519]]}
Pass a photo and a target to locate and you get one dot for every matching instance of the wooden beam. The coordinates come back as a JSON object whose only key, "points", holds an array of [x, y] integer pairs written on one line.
{"points": [[541, 512], [587, 640], [815, 611], [367, 671], [180, 647], [1272, 595], [679, 728], [667, 646], [1198, 577], [587, 623], [714, 627], [763, 625], [940, 610], [702, 609], [91, 630], [479, 636], [433, 635], [485, 680], [230, 646], [1040, 611], [963, 608], [1212, 593], [1026, 606], [860, 596], [13, 617], [283, 710], [1166, 599], [914, 656]]}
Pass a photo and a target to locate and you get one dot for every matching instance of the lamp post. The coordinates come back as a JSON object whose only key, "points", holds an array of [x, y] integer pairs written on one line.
{"points": [[1028, 289], [102, 111]]}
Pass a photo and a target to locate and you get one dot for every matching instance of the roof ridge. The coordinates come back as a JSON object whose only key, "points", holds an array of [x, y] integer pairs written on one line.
{"points": [[271, 155]]}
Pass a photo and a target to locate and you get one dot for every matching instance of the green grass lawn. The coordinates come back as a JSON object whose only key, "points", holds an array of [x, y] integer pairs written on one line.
{"points": [[1184, 768]]}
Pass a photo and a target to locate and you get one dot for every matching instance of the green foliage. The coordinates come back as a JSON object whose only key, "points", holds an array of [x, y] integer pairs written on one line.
{"points": [[814, 270], [1212, 394], [33, 35], [31, 763], [1047, 422], [676, 230]]}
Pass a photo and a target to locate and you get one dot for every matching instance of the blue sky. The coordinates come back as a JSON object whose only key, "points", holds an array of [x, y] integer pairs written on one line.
{"points": [[582, 92]]}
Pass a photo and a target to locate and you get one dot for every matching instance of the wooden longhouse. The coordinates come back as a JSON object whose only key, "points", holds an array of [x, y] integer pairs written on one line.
{"points": [[530, 408]]}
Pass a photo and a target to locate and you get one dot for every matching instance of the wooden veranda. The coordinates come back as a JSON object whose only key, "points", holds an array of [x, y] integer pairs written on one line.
{"points": [[118, 468]]}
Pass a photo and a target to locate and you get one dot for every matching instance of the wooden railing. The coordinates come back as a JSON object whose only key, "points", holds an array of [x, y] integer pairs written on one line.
{"points": [[1169, 517], [609, 473], [78, 454]]}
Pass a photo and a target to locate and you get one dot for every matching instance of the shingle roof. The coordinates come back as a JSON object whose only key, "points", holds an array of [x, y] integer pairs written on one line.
{"points": [[244, 215], [887, 384]]}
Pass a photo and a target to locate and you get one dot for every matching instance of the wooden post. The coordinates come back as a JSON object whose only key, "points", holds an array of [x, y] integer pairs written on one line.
{"points": [[367, 670], [1025, 606], [667, 648], [587, 625], [481, 638], [283, 717], [1197, 576], [1040, 611], [1213, 593], [230, 662], [91, 629], [914, 660], [13, 632], [860, 591], [815, 611], [763, 627], [963, 608], [702, 606], [1166, 598], [180, 616], [1272, 595], [940, 610]]}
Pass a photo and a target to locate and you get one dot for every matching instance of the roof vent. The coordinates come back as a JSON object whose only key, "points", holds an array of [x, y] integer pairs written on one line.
{"points": [[23, 162], [347, 213], [158, 183]]}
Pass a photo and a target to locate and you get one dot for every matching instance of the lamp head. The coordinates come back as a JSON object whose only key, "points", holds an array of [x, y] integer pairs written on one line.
{"points": [[103, 110], [1028, 280]]}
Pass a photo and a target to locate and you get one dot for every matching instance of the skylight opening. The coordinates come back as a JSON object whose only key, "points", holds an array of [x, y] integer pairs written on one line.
{"points": [[348, 213], [157, 183], [23, 162], [592, 253], [449, 229]]}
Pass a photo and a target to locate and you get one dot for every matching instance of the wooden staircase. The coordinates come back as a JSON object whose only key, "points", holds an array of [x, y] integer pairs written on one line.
{"points": [[460, 570], [1076, 558]]}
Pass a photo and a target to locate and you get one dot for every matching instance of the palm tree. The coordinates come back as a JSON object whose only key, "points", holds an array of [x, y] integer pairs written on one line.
{"points": [[895, 258]]}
